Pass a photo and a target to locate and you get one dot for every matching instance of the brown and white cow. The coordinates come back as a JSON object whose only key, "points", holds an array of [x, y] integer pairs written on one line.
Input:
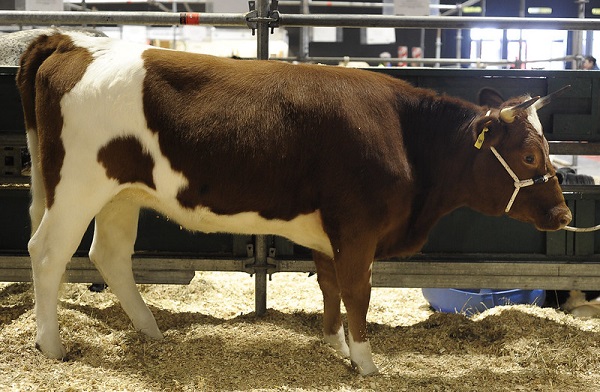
{"points": [[352, 164]]}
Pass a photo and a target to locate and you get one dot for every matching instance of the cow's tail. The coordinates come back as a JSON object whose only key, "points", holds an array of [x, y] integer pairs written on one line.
{"points": [[32, 58]]}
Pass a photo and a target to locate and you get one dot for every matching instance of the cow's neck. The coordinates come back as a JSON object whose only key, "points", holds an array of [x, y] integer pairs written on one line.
{"points": [[441, 152], [443, 155]]}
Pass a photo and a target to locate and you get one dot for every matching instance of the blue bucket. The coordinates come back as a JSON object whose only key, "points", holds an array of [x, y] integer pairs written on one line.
{"points": [[473, 301]]}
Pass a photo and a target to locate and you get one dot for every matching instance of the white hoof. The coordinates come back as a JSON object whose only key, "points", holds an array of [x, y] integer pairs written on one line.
{"points": [[338, 342], [51, 349], [147, 325], [361, 357], [588, 309], [366, 369], [153, 333]]}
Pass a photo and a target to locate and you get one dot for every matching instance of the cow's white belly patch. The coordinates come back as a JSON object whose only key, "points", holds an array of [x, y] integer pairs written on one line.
{"points": [[305, 229], [113, 84]]}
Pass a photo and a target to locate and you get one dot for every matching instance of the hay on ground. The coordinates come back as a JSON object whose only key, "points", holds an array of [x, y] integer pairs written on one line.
{"points": [[214, 342]]}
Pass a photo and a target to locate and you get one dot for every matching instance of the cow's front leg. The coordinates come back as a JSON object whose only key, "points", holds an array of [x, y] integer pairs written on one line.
{"points": [[353, 268], [333, 330]]}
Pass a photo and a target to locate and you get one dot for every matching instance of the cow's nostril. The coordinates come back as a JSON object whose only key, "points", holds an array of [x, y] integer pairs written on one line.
{"points": [[565, 219]]}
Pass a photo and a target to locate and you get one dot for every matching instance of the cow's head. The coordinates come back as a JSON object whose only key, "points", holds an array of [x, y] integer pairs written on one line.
{"points": [[513, 173]]}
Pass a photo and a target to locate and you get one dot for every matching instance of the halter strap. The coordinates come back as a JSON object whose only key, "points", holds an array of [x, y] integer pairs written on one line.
{"points": [[519, 183]]}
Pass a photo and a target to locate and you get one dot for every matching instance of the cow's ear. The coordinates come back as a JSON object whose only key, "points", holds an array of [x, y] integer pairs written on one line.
{"points": [[487, 130], [490, 97]]}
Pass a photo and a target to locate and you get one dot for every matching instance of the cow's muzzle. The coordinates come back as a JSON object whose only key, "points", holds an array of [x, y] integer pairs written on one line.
{"points": [[558, 217], [564, 217]]}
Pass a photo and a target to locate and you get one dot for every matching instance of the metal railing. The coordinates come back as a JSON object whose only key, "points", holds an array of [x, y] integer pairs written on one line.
{"points": [[35, 18]]}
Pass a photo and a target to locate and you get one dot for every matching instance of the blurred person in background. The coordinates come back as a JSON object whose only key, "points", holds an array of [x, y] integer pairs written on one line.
{"points": [[589, 63]]}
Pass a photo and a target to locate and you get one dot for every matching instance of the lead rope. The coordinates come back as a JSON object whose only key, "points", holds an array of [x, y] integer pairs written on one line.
{"points": [[582, 229], [536, 180]]}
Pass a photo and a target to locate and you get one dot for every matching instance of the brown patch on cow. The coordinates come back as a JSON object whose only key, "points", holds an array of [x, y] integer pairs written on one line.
{"points": [[271, 137], [126, 161], [50, 67]]}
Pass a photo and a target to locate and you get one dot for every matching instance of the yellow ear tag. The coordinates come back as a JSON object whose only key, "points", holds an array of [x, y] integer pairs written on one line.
{"points": [[481, 138]]}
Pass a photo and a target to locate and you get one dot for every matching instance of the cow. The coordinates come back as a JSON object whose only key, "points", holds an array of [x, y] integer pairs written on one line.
{"points": [[352, 164]]}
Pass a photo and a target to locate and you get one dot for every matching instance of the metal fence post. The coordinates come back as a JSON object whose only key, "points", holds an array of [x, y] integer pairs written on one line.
{"points": [[262, 30], [260, 275], [260, 244]]}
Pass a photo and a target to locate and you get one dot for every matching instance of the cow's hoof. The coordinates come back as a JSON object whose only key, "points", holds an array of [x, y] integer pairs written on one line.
{"points": [[344, 351], [366, 370], [338, 343], [55, 351], [147, 325], [588, 309], [153, 333]]}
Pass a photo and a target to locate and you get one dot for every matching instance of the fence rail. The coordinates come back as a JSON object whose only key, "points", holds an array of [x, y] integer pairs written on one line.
{"points": [[290, 20]]}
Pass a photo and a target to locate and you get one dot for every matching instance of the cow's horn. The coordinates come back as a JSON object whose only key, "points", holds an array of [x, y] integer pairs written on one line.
{"points": [[508, 114], [548, 98]]}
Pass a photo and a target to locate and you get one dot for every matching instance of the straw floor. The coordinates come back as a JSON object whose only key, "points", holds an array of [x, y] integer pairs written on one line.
{"points": [[214, 342]]}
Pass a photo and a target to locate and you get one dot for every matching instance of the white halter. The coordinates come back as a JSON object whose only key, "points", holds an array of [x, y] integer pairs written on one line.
{"points": [[535, 180], [519, 183]]}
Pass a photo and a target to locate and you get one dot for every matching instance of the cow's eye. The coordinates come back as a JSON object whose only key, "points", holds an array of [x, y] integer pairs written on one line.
{"points": [[530, 159]]}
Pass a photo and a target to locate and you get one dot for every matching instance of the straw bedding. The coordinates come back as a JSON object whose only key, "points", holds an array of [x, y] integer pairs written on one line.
{"points": [[214, 342]]}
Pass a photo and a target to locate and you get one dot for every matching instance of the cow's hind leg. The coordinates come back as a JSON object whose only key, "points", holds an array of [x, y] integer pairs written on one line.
{"points": [[38, 193], [333, 329], [51, 248], [114, 237]]}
